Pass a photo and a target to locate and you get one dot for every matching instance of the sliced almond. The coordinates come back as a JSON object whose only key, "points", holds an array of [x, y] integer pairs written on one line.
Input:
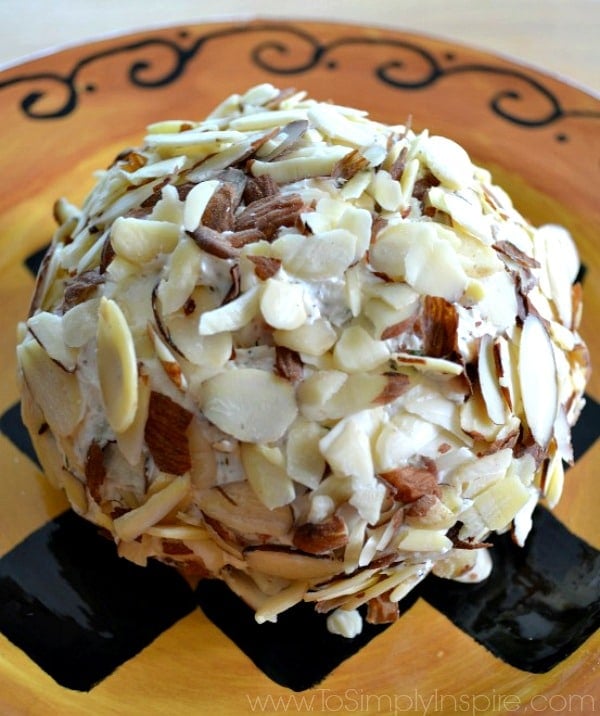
{"points": [[48, 330], [282, 304], [448, 161], [131, 440], [117, 366], [498, 504], [538, 380], [313, 338], [141, 240], [321, 537], [289, 564], [250, 404], [304, 462], [165, 434], [266, 473], [233, 315], [237, 506], [490, 382], [355, 351], [135, 522], [280, 602]]}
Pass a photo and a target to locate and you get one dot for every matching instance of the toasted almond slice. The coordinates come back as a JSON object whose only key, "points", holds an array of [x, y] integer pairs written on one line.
{"points": [[321, 537], [538, 380], [237, 506], [117, 366], [555, 478], [289, 564], [135, 522], [282, 304], [426, 364], [250, 404], [56, 392], [141, 240]]}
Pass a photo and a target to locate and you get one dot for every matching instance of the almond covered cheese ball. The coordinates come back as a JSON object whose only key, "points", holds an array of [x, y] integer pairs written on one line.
{"points": [[311, 354]]}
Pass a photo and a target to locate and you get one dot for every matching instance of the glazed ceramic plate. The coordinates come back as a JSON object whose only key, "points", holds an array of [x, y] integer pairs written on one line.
{"points": [[84, 632]]}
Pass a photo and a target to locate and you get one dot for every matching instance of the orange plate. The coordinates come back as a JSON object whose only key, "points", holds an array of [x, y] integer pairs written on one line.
{"points": [[67, 114]]}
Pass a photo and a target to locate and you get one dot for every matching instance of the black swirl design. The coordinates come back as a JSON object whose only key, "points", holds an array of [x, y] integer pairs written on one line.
{"points": [[291, 50]]}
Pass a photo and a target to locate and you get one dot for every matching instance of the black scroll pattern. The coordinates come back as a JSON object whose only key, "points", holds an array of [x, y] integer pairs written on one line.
{"points": [[288, 50]]}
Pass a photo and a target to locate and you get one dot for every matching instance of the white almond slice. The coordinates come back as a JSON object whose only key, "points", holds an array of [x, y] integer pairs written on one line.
{"points": [[343, 587], [141, 240], [267, 476], [156, 170], [522, 522], [48, 330], [282, 304], [367, 497], [291, 565], [132, 524], [250, 404], [399, 440], [280, 602], [353, 289], [316, 390], [426, 364], [331, 123], [266, 120], [57, 393], [131, 440], [321, 256], [258, 95], [397, 295], [79, 323], [168, 361], [233, 315], [314, 338], [358, 222], [183, 275], [408, 179], [499, 301], [538, 380], [117, 366], [304, 462], [562, 266], [447, 161], [499, 503], [195, 203], [356, 351], [203, 350], [489, 382], [479, 570], [209, 140], [476, 475], [433, 268], [347, 449], [354, 188], [420, 540], [320, 162], [555, 478], [386, 191]]}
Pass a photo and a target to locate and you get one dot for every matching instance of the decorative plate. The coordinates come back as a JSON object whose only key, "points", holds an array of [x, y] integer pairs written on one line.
{"points": [[117, 638]]}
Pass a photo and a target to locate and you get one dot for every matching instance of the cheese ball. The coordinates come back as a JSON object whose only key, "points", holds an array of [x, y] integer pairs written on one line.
{"points": [[305, 352]]}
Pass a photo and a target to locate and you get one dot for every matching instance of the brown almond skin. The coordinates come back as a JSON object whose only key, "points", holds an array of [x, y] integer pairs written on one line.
{"points": [[322, 537]]}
